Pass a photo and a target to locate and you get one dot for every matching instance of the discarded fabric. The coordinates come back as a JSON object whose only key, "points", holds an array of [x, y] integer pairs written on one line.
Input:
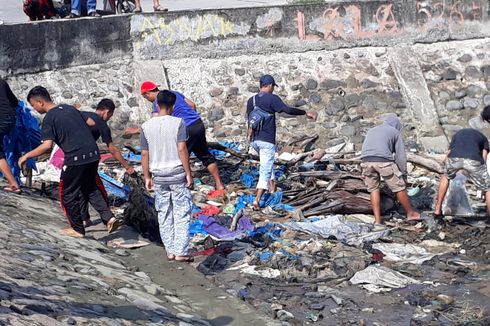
{"points": [[267, 199], [405, 253], [252, 270], [381, 277], [336, 226], [212, 227]]}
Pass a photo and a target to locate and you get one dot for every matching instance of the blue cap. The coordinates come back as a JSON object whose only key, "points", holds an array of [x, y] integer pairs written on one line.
{"points": [[267, 80]]}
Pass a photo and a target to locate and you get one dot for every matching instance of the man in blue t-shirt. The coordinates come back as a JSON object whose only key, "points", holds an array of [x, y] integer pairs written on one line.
{"points": [[197, 144], [264, 140]]}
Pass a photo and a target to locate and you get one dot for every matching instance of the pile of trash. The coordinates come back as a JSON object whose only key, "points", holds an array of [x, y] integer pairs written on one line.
{"points": [[312, 252]]}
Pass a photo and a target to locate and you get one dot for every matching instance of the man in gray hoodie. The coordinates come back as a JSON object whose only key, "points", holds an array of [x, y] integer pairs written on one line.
{"points": [[383, 156]]}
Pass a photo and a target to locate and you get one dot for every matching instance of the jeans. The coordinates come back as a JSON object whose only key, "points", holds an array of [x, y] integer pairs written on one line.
{"points": [[174, 206], [266, 153], [76, 6]]}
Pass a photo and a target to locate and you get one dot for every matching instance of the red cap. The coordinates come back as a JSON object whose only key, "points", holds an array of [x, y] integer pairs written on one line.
{"points": [[147, 86]]}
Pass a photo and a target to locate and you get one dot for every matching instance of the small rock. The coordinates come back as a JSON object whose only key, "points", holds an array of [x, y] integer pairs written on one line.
{"points": [[480, 55], [374, 103], [370, 310], [71, 321], [311, 84], [215, 92], [346, 55], [486, 100], [476, 123], [315, 98], [367, 83], [348, 130], [284, 315], [486, 71], [337, 300], [276, 306], [473, 72], [460, 94], [470, 103], [335, 106], [295, 87], [445, 298], [66, 95], [449, 74], [465, 58], [132, 102], [473, 90], [317, 306], [233, 91], [329, 84], [253, 89], [454, 105], [379, 54], [216, 114], [442, 235], [299, 103], [113, 88], [122, 252], [352, 100], [240, 71]]}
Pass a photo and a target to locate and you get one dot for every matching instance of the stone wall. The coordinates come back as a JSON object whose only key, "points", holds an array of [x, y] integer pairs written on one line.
{"points": [[216, 57]]}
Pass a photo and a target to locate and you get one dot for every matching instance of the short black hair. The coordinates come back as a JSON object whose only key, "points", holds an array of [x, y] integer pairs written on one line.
{"points": [[39, 91], [485, 114], [166, 99], [106, 104]]}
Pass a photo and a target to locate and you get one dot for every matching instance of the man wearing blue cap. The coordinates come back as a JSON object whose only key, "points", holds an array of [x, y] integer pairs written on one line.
{"points": [[261, 117]]}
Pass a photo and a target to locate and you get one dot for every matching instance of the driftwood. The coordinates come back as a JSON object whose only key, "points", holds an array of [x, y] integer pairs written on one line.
{"points": [[427, 163], [329, 175]]}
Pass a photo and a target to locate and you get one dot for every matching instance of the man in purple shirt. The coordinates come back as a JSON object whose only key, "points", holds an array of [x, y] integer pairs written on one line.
{"points": [[197, 144]]}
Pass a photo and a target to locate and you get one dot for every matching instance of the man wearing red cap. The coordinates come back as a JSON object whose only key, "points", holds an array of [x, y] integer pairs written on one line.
{"points": [[197, 144]]}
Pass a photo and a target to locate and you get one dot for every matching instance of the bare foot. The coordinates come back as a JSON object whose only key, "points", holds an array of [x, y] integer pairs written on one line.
{"points": [[256, 206], [415, 216], [71, 233], [171, 257], [185, 259]]}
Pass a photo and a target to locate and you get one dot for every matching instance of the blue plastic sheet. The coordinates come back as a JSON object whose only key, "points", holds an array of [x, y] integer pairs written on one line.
{"points": [[233, 145], [25, 137], [265, 256], [197, 227], [266, 200], [116, 188], [251, 177], [131, 157]]}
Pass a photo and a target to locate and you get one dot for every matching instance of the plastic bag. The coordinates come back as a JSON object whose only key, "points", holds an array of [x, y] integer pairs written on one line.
{"points": [[457, 202]]}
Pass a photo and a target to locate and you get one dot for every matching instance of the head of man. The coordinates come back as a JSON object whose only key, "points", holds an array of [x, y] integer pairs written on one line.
{"points": [[166, 101], [149, 90], [267, 84], [40, 99], [105, 109], [485, 115]]}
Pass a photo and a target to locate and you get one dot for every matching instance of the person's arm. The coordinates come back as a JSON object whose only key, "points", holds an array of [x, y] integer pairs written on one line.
{"points": [[184, 158], [190, 103], [484, 155], [485, 148], [44, 147], [90, 122], [279, 106], [400, 155], [116, 153], [145, 161], [132, 131]]}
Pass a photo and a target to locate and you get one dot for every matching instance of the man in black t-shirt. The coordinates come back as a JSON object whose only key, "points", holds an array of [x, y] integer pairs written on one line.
{"points": [[100, 129], [65, 126], [468, 151]]}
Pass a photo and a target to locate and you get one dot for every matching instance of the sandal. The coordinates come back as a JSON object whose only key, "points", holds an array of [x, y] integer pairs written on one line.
{"points": [[184, 259], [137, 10], [159, 8], [14, 190]]}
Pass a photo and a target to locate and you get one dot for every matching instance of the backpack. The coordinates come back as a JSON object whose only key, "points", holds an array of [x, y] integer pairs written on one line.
{"points": [[258, 117]]}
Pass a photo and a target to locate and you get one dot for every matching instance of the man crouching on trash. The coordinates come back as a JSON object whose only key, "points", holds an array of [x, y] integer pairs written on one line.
{"points": [[468, 151], [166, 167], [383, 156]]}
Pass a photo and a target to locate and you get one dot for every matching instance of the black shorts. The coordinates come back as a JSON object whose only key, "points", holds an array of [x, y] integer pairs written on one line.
{"points": [[197, 143], [7, 124]]}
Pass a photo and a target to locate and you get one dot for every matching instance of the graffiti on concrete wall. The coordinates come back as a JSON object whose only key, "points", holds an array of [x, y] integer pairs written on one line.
{"points": [[182, 28], [456, 12], [345, 22]]}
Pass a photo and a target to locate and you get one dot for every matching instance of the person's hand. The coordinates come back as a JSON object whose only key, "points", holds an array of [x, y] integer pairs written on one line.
{"points": [[246, 149], [149, 184], [189, 181], [311, 115], [130, 170], [22, 160], [131, 131]]}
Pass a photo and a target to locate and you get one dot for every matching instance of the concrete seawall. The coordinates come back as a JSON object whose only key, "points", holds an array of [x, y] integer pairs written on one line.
{"points": [[427, 61]]}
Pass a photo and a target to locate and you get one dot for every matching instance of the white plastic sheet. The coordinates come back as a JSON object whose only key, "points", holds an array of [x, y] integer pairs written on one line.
{"points": [[405, 253], [380, 278], [336, 226]]}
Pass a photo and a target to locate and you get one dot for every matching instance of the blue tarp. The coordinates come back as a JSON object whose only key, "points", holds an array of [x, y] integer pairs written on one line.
{"points": [[251, 177], [267, 199], [233, 145], [25, 137], [114, 187]]}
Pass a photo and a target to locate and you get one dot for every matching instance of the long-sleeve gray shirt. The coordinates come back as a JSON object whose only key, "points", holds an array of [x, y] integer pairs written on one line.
{"points": [[384, 143]]}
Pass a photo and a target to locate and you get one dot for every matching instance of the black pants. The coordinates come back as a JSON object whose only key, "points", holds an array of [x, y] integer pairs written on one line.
{"points": [[77, 187], [7, 124], [197, 143], [99, 201]]}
